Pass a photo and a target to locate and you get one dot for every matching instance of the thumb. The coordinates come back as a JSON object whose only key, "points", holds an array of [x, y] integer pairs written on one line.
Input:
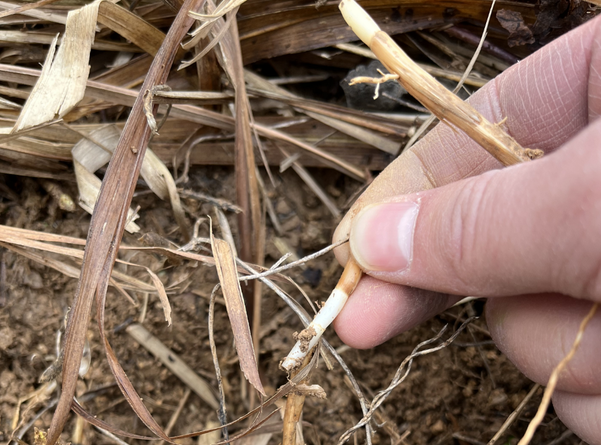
{"points": [[529, 228]]}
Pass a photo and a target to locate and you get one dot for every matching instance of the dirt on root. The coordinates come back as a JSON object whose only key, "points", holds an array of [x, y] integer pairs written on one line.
{"points": [[459, 395]]}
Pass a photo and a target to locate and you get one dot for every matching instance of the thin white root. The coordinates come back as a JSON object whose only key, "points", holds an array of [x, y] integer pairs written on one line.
{"points": [[309, 336]]}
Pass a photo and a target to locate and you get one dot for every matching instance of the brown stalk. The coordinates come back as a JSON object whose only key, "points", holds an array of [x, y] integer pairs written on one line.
{"points": [[294, 410], [250, 220], [247, 188], [105, 234]]}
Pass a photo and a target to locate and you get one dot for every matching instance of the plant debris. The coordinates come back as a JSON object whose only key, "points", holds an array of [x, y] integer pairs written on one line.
{"points": [[152, 116]]}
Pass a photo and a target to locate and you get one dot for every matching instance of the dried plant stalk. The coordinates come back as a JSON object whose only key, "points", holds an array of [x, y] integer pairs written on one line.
{"points": [[514, 415], [174, 363], [445, 105], [293, 412]]}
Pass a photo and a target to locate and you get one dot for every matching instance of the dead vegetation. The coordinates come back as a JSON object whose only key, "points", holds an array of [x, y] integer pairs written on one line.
{"points": [[171, 92]]}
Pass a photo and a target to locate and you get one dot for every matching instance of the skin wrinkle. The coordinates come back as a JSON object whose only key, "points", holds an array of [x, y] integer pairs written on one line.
{"points": [[469, 210], [529, 73], [446, 167], [427, 174]]}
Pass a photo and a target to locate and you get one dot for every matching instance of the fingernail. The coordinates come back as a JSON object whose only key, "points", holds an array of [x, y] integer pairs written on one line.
{"points": [[382, 236]]}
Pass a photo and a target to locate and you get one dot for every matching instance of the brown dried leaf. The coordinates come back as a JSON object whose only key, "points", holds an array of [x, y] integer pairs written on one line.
{"points": [[95, 150], [225, 263], [130, 26]]}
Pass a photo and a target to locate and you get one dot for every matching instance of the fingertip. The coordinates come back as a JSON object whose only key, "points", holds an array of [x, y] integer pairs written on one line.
{"points": [[342, 233], [581, 413]]}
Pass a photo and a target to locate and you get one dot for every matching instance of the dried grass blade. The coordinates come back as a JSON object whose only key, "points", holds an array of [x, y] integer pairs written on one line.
{"points": [[38, 14], [331, 120], [210, 19], [63, 81], [162, 295], [127, 389], [554, 377], [314, 186], [64, 268], [247, 187], [46, 39], [214, 42], [236, 310], [80, 411], [105, 234], [24, 8], [130, 26], [126, 97], [221, 412]]}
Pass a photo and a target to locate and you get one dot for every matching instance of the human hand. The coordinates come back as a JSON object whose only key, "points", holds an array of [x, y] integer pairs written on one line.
{"points": [[530, 233]]}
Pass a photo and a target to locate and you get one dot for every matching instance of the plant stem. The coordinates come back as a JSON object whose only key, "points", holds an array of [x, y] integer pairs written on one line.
{"points": [[309, 337]]}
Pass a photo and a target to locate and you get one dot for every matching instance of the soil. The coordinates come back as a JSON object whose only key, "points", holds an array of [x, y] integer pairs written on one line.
{"points": [[459, 395]]}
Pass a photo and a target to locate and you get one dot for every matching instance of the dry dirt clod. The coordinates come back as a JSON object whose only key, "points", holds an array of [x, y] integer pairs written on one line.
{"points": [[305, 337]]}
